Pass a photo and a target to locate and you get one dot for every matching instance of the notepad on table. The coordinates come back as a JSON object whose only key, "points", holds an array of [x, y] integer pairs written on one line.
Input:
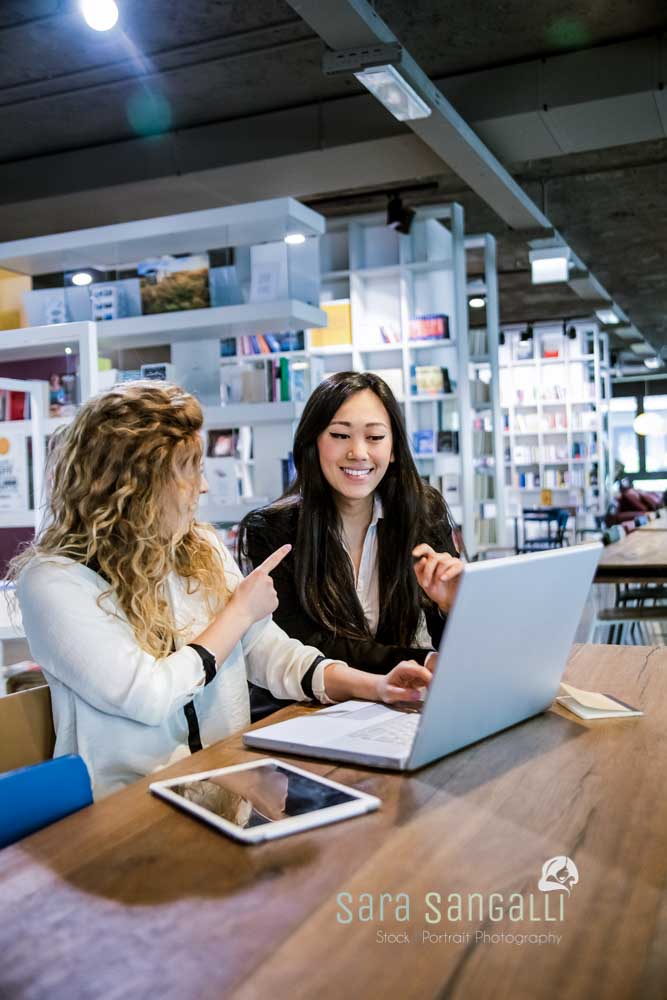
{"points": [[592, 705]]}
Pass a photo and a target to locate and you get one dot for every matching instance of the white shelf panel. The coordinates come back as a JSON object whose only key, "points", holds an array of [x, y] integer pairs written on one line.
{"points": [[243, 414], [440, 397], [373, 348], [107, 247], [17, 519], [434, 343], [332, 349], [42, 341], [49, 425], [235, 359], [207, 324]]}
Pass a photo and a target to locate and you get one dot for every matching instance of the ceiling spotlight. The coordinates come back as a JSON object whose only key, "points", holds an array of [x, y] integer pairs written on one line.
{"points": [[68, 350], [295, 239], [391, 89], [501, 338], [100, 15], [398, 216], [572, 332], [82, 278], [648, 423], [653, 362], [549, 264], [477, 302]]}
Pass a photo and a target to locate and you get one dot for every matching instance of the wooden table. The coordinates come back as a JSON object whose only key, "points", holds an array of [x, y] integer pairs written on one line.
{"points": [[132, 899], [639, 556]]}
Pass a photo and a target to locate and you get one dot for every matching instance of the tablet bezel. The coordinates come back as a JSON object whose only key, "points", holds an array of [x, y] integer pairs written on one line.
{"points": [[361, 803]]}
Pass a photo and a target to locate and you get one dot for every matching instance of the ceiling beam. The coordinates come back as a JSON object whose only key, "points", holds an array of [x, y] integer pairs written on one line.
{"points": [[348, 23]]}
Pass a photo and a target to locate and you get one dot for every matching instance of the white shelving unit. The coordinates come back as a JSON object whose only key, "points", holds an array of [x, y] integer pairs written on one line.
{"points": [[389, 280], [193, 336], [555, 408], [488, 451]]}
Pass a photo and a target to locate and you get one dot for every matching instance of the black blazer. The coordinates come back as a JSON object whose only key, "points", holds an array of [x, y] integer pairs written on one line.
{"points": [[266, 530]]}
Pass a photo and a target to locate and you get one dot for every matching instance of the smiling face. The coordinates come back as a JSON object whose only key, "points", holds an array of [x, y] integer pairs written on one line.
{"points": [[356, 448]]}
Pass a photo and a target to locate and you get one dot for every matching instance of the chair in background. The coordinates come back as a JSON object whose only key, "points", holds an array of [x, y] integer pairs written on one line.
{"points": [[34, 797], [554, 520]]}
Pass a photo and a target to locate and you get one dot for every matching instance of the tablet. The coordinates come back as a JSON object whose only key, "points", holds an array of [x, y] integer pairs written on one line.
{"points": [[263, 800]]}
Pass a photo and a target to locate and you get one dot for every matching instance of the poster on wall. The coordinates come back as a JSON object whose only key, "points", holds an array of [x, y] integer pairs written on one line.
{"points": [[13, 470]]}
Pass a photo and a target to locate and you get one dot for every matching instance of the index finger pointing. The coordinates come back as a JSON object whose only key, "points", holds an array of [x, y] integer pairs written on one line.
{"points": [[274, 559]]}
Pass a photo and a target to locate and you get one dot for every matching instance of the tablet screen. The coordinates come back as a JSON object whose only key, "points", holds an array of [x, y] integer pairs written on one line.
{"points": [[259, 795]]}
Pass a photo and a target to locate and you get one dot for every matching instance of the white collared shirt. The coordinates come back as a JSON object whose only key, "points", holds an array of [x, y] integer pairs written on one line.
{"points": [[367, 583]]}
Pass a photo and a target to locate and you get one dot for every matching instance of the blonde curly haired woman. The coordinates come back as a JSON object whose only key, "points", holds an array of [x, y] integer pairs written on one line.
{"points": [[143, 624]]}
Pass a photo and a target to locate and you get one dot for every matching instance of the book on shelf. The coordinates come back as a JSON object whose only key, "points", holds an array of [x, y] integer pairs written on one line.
{"points": [[271, 343], [485, 531], [278, 380], [552, 344], [288, 471], [523, 349], [482, 441], [338, 331], [477, 342], [480, 392], [222, 442], [448, 442], [171, 284], [484, 487], [14, 472], [449, 486], [423, 442], [429, 380], [429, 326]]}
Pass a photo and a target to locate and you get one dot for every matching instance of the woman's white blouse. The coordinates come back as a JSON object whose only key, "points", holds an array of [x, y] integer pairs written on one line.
{"points": [[119, 707]]}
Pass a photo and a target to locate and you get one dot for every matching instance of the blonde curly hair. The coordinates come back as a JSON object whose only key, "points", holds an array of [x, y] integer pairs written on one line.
{"points": [[112, 473]]}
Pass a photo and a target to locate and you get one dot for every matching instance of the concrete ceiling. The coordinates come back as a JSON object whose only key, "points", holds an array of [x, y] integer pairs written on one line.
{"points": [[569, 94]]}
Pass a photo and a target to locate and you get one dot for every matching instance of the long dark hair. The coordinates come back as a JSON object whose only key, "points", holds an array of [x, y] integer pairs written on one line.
{"points": [[322, 569]]}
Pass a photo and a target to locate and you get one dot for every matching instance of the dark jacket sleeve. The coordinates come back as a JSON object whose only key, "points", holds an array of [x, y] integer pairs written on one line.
{"points": [[441, 539], [366, 654]]}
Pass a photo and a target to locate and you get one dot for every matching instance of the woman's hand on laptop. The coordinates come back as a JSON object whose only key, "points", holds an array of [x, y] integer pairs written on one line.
{"points": [[438, 574], [406, 682]]}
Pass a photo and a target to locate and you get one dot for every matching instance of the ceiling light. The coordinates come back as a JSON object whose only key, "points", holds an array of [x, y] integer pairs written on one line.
{"points": [[391, 89], [68, 350], [100, 15], [477, 302], [652, 362], [295, 239], [648, 423], [607, 316], [549, 264], [82, 278], [398, 216]]}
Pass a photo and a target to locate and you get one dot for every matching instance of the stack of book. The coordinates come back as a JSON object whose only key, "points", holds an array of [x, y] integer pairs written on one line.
{"points": [[271, 343]]}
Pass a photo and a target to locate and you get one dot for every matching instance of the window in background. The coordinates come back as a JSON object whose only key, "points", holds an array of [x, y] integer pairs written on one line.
{"points": [[656, 444], [624, 448]]}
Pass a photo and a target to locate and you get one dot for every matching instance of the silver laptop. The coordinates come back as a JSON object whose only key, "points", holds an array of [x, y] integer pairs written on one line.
{"points": [[501, 659]]}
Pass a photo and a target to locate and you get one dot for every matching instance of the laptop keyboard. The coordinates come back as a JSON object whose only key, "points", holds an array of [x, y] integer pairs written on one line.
{"points": [[401, 730]]}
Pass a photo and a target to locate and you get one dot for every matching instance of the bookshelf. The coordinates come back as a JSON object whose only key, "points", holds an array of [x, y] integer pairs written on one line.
{"points": [[397, 289], [275, 288], [555, 391]]}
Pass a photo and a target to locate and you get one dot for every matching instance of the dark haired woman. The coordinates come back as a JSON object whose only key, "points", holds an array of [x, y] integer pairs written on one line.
{"points": [[373, 567]]}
